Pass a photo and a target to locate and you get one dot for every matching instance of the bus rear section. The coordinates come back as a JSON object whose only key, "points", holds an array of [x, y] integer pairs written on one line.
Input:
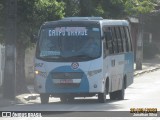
{"points": [[118, 57]]}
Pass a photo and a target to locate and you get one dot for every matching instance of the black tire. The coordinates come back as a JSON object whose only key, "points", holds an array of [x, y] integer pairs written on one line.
{"points": [[118, 95], [113, 95], [102, 96], [44, 98]]}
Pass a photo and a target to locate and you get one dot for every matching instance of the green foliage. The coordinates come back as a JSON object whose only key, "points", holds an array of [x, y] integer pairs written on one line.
{"points": [[24, 21], [32, 13], [86, 7], [111, 8], [99, 10], [135, 7], [36, 12], [91, 8], [103, 8], [71, 7], [49, 10]]}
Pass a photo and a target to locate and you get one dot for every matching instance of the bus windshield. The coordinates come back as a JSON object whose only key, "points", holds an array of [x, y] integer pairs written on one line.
{"points": [[69, 43]]}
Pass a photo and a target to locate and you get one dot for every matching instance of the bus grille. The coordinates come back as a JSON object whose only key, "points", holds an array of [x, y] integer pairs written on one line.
{"points": [[66, 76], [68, 85]]}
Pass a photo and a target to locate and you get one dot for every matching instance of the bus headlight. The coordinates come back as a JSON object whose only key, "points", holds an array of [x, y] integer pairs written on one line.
{"points": [[93, 72], [40, 73], [36, 72]]}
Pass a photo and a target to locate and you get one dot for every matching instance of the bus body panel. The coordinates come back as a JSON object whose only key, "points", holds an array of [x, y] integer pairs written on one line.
{"points": [[116, 67], [129, 68], [89, 81], [89, 76]]}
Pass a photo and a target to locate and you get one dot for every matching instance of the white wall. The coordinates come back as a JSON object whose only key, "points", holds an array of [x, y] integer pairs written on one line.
{"points": [[30, 53], [29, 64]]}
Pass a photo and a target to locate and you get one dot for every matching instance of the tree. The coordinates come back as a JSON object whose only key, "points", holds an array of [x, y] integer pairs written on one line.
{"points": [[1, 21], [113, 9], [103, 8], [85, 8], [136, 7], [48, 10], [139, 8], [32, 13], [71, 8], [36, 12]]}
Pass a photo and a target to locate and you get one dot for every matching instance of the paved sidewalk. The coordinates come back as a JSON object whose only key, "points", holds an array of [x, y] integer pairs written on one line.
{"points": [[148, 66]]}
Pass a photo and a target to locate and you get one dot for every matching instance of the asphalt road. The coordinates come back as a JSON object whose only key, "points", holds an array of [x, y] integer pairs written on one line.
{"points": [[143, 93]]}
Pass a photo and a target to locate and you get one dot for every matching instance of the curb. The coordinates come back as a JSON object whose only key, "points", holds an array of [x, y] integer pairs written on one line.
{"points": [[24, 99], [146, 71], [31, 97]]}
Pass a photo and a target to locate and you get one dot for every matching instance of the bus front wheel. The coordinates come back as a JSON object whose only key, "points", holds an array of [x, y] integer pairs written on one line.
{"points": [[102, 96], [44, 98]]}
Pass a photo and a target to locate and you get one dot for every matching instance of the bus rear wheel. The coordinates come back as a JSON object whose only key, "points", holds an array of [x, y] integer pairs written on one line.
{"points": [[44, 98], [117, 95]]}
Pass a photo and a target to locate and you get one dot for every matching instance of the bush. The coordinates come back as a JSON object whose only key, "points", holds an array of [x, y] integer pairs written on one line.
{"points": [[150, 50]]}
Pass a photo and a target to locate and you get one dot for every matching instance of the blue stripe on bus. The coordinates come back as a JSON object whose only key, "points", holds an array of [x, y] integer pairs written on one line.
{"points": [[129, 66], [51, 88]]}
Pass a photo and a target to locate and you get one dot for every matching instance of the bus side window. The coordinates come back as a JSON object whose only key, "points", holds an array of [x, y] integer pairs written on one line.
{"points": [[108, 38], [119, 40], [122, 32], [128, 39], [115, 42], [129, 36]]}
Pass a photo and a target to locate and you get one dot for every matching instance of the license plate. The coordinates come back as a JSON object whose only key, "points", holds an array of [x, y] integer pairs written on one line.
{"points": [[66, 81]]}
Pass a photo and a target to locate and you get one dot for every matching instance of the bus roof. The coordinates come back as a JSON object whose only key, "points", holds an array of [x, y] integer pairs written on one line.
{"points": [[81, 18], [88, 20]]}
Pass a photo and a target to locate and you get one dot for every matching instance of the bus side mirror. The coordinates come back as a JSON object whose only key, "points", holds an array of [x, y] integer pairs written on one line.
{"points": [[34, 38]]}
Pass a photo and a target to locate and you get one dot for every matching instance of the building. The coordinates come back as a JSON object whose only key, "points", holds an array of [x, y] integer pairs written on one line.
{"points": [[134, 25]]}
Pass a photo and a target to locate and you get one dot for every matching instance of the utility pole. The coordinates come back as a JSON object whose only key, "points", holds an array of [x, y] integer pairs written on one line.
{"points": [[9, 82], [139, 50]]}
